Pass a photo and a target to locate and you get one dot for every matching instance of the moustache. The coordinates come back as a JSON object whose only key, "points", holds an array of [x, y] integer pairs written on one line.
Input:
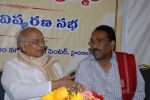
{"points": [[94, 50]]}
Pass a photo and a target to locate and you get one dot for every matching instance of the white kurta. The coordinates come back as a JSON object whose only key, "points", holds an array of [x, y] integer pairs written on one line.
{"points": [[22, 82]]}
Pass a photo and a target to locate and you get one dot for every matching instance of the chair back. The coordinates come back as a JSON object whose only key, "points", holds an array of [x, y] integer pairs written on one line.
{"points": [[2, 91], [145, 71]]}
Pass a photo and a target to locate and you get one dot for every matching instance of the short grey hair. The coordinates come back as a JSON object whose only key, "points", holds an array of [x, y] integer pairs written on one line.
{"points": [[22, 36]]}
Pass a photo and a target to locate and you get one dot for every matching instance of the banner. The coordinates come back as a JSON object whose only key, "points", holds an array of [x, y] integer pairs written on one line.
{"points": [[66, 24]]}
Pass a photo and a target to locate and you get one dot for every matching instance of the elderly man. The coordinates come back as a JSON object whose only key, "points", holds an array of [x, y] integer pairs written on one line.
{"points": [[111, 74], [32, 74]]}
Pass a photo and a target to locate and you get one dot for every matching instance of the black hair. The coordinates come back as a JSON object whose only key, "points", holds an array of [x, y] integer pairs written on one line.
{"points": [[109, 30]]}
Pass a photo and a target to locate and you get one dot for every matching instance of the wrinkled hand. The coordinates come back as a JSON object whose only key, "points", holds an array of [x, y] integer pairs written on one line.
{"points": [[68, 83], [77, 87]]}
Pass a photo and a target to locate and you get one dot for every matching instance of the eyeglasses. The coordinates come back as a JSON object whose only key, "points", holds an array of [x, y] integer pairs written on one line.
{"points": [[36, 42], [97, 42]]}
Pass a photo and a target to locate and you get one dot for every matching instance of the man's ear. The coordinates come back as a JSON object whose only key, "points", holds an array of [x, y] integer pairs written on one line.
{"points": [[113, 43], [22, 47]]}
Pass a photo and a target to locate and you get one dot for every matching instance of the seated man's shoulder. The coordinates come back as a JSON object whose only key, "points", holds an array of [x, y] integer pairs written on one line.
{"points": [[88, 58], [85, 62], [124, 53], [11, 60]]}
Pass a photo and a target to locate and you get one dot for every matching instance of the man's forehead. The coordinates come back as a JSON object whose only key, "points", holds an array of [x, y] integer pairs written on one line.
{"points": [[34, 36]]}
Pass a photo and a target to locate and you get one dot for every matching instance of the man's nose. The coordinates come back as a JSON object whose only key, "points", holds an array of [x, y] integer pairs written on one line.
{"points": [[94, 45]]}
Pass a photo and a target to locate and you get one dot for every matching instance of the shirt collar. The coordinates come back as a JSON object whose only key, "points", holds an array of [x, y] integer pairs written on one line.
{"points": [[114, 57]]}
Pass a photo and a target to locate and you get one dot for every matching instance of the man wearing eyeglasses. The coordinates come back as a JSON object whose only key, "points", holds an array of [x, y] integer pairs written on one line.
{"points": [[114, 75], [33, 74]]}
